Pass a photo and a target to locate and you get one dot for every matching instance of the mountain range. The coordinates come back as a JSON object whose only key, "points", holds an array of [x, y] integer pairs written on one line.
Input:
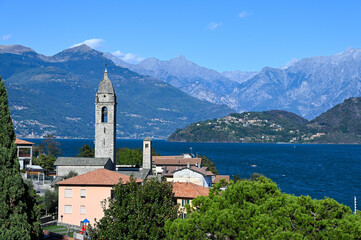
{"points": [[307, 87], [55, 95]]}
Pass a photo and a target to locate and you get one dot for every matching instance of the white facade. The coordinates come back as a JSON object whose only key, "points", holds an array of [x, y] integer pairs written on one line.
{"points": [[191, 176]]}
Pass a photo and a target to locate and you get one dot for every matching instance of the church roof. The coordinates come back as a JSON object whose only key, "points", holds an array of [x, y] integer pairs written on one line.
{"points": [[100, 177], [81, 161], [106, 85]]}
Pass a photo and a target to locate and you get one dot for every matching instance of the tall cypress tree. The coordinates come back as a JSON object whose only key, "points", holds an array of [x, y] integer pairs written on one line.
{"points": [[19, 217]]}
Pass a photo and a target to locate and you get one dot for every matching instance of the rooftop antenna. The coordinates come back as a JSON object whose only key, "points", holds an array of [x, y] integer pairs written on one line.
{"points": [[106, 71], [191, 151]]}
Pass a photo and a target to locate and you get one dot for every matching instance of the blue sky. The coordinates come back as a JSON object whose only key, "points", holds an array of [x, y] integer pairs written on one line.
{"points": [[222, 35]]}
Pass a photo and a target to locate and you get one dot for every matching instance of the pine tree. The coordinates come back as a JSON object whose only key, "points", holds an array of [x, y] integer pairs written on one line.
{"points": [[19, 215]]}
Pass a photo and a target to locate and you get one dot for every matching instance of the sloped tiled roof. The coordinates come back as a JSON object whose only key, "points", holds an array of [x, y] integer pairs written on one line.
{"points": [[80, 161], [168, 171], [189, 190], [101, 177], [140, 174], [175, 160], [202, 171], [217, 178], [19, 141]]}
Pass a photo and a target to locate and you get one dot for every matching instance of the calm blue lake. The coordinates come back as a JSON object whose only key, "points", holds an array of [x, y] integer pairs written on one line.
{"points": [[308, 169]]}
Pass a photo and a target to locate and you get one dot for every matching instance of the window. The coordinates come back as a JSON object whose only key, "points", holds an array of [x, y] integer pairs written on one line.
{"points": [[68, 193], [24, 152], [68, 209], [82, 209], [184, 202], [184, 215], [112, 195], [82, 193], [104, 114], [146, 145]]}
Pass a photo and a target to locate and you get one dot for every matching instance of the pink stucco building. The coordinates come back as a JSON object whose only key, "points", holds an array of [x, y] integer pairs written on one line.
{"points": [[80, 197]]}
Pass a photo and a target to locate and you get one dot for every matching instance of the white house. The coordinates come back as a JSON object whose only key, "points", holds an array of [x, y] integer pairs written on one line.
{"points": [[193, 174]]}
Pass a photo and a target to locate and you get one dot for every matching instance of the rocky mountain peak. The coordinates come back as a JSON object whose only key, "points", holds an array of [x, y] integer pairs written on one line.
{"points": [[15, 49], [78, 52]]}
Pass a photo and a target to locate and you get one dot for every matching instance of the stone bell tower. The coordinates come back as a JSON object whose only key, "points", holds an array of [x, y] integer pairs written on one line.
{"points": [[105, 120]]}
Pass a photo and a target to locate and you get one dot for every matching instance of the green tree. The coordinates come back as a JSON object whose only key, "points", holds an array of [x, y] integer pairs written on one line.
{"points": [[126, 156], [51, 145], [206, 162], [86, 151], [19, 216], [138, 211], [70, 175], [259, 210], [50, 201], [38, 149], [45, 161], [255, 176]]}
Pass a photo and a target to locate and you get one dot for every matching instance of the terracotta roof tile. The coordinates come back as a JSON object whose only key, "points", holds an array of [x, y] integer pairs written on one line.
{"points": [[217, 178], [97, 177], [175, 160], [189, 190], [19, 141]]}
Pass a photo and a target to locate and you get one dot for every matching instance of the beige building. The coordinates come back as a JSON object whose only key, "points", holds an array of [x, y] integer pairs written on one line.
{"points": [[80, 197], [185, 193]]}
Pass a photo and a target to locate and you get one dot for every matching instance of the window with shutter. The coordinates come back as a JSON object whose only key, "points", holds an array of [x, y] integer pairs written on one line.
{"points": [[68, 209], [82, 209], [68, 193], [82, 193]]}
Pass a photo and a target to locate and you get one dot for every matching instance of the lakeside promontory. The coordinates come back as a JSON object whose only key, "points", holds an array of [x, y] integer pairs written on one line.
{"points": [[341, 124]]}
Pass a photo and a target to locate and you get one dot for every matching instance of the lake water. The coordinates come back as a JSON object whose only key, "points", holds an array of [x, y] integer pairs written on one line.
{"points": [[300, 169]]}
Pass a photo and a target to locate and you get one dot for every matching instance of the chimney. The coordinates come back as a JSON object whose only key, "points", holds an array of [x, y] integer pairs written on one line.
{"points": [[147, 153], [188, 165]]}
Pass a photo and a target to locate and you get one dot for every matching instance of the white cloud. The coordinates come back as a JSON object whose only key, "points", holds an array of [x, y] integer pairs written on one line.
{"points": [[290, 63], [128, 57], [6, 37], [244, 14], [213, 26], [93, 43]]}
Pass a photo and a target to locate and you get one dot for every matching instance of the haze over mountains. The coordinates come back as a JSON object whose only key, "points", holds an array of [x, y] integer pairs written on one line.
{"points": [[55, 94], [307, 87]]}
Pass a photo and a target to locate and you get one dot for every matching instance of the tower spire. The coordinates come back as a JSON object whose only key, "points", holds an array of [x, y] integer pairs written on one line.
{"points": [[105, 120]]}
